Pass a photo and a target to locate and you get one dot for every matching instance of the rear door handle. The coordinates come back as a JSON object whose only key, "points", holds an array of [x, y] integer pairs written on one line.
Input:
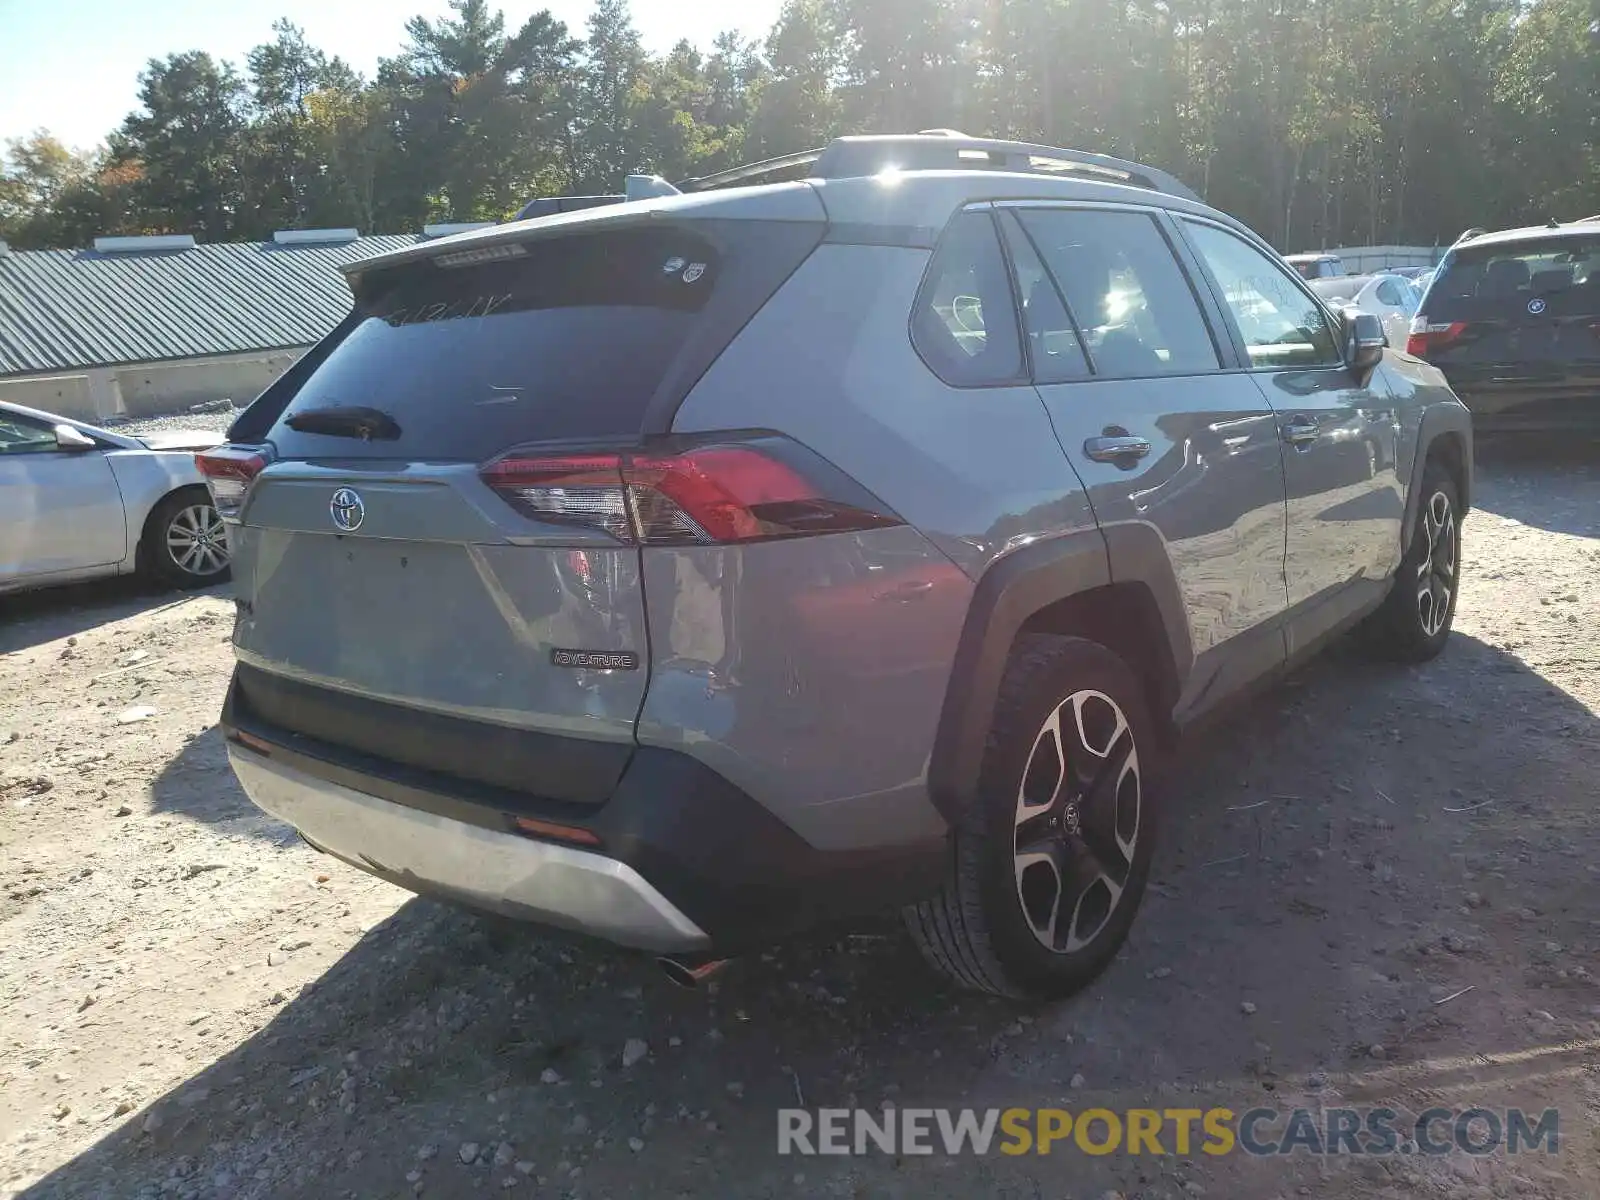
{"points": [[1123, 451], [1301, 432], [906, 592]]}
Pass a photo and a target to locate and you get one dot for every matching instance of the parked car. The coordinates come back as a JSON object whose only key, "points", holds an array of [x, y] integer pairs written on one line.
{"points": [[80, 502], [1388, 297], [696, 570], [1316, 266], [1510, 319]]}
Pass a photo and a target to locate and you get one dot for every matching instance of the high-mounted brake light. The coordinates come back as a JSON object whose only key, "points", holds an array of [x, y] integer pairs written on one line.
{"points": [[722, 493], [1425, 338], [229, 471]]}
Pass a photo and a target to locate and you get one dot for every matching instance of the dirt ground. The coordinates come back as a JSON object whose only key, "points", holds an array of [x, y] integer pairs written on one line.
{"points": [[1376, 885]]}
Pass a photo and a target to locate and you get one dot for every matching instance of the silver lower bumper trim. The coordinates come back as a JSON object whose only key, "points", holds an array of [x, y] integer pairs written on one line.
{"points": [[499, 872]]}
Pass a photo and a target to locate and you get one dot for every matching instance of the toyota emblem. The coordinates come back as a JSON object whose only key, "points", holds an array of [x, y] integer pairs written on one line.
{"points": [[347, 510], [1536, 306]]}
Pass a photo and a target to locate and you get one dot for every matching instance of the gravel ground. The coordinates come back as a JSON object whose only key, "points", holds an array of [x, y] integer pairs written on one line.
{"points": [[213, 419], [1376, 885]]}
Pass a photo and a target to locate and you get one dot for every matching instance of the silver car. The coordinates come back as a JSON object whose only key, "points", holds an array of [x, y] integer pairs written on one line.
{"points": [[78, 502], [1391, 298], [694, 570]]}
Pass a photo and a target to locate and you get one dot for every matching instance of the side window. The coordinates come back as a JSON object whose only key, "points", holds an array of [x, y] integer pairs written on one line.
{"points": [[1124, 289], [965, 324], [19, 435], [1390, 293], [1053, 340], [1281, 324]]}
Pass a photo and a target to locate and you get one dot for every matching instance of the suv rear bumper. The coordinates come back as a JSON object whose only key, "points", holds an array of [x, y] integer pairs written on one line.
{"points": [[684, 861], [498, 872]]}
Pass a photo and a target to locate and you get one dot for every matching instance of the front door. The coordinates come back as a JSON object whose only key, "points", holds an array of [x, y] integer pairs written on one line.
{"points": [[1338, 435], [1178, 455], [62, 508]]}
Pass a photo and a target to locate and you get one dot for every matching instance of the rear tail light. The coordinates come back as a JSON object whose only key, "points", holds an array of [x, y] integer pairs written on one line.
{"points": [[1425, 338], [730, 491], [229, 471]]}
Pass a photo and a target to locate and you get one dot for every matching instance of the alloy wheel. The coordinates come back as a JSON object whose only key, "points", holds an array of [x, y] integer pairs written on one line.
{"points": [[1436, 574], [197, 541], [1077, 821]]}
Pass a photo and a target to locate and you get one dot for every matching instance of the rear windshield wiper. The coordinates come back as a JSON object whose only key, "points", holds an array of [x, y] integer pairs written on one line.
{"points": [[349, 421]]}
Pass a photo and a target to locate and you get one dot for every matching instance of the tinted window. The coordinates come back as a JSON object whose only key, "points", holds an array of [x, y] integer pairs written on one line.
{"points": [[1282, 326], [1053, 342], [1124, 289], [22, 435], [965, 323], [568, 337]]}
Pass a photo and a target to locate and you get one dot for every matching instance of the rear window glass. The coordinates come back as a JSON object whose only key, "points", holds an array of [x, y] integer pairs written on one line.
{"points": [[561, 338], [1555, 275]]}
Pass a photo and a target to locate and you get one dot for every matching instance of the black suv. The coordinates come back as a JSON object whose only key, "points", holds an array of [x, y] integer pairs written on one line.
{"points": [[1513, 321]]}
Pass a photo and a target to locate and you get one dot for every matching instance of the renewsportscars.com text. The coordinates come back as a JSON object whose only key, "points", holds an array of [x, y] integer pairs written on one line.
{"points": [[1181, 1131]]}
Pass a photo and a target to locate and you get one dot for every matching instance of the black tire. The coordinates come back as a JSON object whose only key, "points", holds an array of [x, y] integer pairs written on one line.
{"points": [[163, 562], [979, 930], [1406, 628]]}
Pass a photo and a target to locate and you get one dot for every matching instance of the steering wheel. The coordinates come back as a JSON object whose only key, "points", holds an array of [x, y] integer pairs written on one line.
{"points": [[974, 305]]}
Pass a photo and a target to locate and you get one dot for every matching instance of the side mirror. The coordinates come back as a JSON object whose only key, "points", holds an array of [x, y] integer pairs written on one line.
{"points": [[68, 438], [1366, 340]]}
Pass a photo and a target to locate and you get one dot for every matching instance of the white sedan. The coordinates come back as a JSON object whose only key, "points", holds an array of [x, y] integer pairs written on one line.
{"points": [[1390, 298], [78, 502]]}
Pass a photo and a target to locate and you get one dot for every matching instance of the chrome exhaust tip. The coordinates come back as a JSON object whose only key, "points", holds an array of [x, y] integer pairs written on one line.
{"points": [[690, 975]]}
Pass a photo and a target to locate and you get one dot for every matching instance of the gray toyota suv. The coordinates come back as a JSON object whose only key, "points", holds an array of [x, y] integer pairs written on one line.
{"points": [[693, 570]]}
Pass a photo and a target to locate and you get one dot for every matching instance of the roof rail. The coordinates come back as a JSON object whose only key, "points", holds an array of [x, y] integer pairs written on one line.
{"points": [[931, 150], [753, 170], [868, 154], [1475, 231]]}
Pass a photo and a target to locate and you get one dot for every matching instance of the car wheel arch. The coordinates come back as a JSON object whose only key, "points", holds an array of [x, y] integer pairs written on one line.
{"points": [[1113, 585], [1445, 433]]}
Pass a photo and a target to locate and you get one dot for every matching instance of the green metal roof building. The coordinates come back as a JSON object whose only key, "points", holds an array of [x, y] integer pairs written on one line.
{"points": [[143, 325]]}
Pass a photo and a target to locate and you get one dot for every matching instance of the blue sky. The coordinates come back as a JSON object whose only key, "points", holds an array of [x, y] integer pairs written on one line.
{"points": [[72, 66]]}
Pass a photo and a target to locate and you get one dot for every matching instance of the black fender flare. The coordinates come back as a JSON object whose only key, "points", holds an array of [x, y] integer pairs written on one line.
{"points": [[1438, 421], [1013, 589]]}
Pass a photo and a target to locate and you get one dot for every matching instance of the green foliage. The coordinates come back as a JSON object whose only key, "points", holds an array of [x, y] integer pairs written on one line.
{"points": [[1318, 124]]}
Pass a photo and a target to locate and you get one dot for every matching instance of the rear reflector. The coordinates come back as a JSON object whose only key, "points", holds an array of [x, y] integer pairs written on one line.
{"points": [[250, 742], [710, 494], [560, 833], [229, 471], [1425, 338]]}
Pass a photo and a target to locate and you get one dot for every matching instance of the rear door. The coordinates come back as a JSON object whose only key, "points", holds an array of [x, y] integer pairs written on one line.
{"points": [[1338, 432], [1124, 358], [60, 510], [405, 599], [1515, 327]]}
